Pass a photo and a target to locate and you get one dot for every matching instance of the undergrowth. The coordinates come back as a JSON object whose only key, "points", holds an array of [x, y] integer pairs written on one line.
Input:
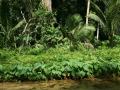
{"points": [[59, 63]]}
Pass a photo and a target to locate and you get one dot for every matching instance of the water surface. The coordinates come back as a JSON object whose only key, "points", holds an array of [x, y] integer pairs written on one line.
{"points": [[62, 85]]}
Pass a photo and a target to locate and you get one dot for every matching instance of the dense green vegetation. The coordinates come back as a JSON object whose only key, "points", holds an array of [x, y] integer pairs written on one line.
{"points": [[26, 23], [59, 63], [71, 39]]}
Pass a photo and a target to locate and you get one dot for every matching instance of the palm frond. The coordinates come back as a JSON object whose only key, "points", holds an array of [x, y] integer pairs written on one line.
{"points": [[97, 19], [84, 32], [98, 11]]}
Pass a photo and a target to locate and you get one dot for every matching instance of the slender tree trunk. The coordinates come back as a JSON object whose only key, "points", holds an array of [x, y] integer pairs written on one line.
{"points": [[47, 4], [88, 10], [98, 32]]}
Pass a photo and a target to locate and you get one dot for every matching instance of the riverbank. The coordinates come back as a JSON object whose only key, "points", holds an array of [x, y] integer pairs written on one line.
{"points": [[59, 64]]}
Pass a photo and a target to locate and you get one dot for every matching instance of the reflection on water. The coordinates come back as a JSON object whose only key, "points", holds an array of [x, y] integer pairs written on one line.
{"points": [[62, 85]]}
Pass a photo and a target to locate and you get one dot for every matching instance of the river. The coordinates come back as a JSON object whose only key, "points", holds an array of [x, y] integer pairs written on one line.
{"points": [[62, 85]]}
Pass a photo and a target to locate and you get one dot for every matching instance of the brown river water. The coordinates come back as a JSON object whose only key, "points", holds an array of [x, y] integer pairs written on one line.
{"points": [[62, 85]]}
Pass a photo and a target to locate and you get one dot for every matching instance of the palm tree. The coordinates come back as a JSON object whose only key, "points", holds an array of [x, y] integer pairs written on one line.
{"points": [[108, 19]]}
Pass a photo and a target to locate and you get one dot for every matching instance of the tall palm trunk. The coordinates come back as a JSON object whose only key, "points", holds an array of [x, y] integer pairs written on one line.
{"points": [[88, 10], [47, 4]]}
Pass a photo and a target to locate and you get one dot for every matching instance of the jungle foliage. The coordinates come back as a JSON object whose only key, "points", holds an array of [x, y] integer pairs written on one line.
{"points": [[59, 63], [27, 23], [71, 41]]}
